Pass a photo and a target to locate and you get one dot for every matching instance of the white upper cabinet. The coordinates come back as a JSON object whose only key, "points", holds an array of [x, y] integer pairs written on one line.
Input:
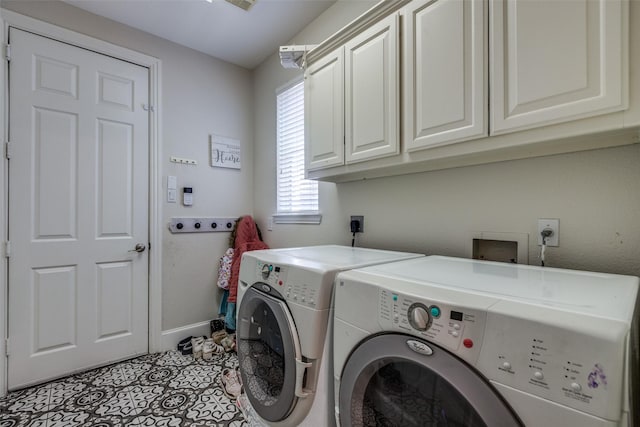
{"points": [[445, 72], [555, 61], [372, 92], [471, 81], [324, 112]]}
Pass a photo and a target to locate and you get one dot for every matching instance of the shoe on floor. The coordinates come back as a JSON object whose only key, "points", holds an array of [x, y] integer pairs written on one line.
{"points": [[239, 378], [211, 349], [217, 325], [230, 383], [218, 336], [185, 347], [198, 344], [229, 343]]}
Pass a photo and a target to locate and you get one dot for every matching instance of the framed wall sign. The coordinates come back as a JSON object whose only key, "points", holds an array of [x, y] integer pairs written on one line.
{"points": [[225, 152]]}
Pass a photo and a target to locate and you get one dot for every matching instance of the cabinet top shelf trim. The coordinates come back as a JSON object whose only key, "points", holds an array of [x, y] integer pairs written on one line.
{"points": [[380, 11]]}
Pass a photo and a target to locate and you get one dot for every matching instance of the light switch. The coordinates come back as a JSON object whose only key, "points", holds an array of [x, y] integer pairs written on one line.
{"points": [[172, 189], [172, 182]]}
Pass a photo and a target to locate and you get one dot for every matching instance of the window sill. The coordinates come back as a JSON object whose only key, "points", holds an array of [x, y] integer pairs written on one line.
{"points": [[298, 218]]}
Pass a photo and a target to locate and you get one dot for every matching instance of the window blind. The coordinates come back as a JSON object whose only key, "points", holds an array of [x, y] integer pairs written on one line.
{"points": [[294, 193]]}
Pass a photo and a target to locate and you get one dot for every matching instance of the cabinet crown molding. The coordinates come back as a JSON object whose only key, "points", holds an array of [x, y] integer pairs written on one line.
{"points": [[380, 11]]}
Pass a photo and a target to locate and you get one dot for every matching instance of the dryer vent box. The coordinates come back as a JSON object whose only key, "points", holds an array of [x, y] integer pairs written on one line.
{"points": [[512, 248], [495, 250]]}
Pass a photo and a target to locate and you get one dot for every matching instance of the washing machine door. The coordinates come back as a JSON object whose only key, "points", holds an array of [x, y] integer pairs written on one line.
{"points": [[398, 380], [268, 348]]}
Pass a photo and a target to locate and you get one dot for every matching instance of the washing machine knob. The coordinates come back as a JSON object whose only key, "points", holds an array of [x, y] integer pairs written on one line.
{"points": [[266, 270], [419, 317]]}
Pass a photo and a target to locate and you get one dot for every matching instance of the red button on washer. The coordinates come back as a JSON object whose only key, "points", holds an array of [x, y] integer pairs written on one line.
{"points": [[467, 343], [280, 283]]}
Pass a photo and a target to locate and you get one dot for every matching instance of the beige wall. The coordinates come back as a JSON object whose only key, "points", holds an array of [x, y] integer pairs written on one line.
{"points": [[268, 77], [595, 194], [200, 95]]}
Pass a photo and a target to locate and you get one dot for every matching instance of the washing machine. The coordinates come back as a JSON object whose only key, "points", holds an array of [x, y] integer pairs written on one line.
{"points": [[283, 318], [441, 341]]}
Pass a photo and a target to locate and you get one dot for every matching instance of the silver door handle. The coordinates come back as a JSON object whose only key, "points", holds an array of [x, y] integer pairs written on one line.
{"points": [[140, 247]]}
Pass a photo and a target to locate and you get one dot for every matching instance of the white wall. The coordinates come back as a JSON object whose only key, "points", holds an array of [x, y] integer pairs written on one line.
{"points": [[595, 194], [268, 77], [200, 95]]}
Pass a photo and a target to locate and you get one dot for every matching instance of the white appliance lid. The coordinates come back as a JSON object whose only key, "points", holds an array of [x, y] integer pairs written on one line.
{"points": [[335, 256], [596, 294]]}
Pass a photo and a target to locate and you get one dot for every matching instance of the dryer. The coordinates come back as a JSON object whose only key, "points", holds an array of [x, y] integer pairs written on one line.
{"points": [[451, 341], [284, 312]]}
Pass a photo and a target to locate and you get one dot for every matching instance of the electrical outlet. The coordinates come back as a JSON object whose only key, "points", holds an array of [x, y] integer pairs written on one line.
{"points": [[554, 225], [359, 218]]}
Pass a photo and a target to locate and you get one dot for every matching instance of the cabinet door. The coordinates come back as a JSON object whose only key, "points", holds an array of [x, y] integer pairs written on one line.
{"points": [[371, 92], [324, 112], [445, 79], [554, 61]]}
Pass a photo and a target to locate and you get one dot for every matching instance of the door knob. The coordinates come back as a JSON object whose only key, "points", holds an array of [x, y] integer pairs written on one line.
{"points": [[140, 247]]}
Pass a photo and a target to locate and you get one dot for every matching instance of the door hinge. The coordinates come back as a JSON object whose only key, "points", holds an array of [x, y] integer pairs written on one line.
{"points": [[7, 249], [6, 347], [7, 150], [147, 107], [7, 52]]}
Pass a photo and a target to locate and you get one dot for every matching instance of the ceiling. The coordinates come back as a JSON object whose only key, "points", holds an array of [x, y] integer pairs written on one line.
{"points": [[219, 29]]}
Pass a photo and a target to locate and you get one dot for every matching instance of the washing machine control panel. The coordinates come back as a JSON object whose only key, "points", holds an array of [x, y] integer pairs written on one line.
{"points": [[457, 329], [271, 274], [570, 359]]}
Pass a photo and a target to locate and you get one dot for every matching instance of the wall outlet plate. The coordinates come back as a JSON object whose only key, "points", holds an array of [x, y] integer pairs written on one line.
{"points": [[357, 218], [554, 225]]}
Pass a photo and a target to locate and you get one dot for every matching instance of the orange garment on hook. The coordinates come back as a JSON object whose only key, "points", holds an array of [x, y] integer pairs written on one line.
{"points": [[247, 239]]}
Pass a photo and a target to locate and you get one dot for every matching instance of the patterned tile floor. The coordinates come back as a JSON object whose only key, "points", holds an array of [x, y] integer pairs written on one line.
{"points": [[163, 389]]}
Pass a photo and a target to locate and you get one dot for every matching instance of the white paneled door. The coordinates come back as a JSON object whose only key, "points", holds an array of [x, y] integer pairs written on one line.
{"points": [[78, 208]]}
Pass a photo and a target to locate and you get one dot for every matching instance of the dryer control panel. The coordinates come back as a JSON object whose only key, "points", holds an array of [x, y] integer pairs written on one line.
{"points": [[458, 329], [274, 275], [295, 284]]}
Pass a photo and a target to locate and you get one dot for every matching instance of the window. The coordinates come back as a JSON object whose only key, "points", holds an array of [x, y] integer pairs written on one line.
{"points": [[297, 198]]}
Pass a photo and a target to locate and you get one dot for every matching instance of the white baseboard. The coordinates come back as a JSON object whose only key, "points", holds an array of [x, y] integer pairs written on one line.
{"points": [[171, 337]]}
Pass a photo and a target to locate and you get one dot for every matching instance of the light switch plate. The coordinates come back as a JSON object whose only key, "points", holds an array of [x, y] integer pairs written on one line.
{"points": [[172, 182]]}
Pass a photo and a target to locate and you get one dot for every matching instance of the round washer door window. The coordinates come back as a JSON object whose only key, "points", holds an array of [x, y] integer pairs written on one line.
{"points": [[267, 345], [387, 383]]}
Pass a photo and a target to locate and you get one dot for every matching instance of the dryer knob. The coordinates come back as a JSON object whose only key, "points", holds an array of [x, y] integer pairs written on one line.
{"points": [[266, 271], [419, 317]]}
